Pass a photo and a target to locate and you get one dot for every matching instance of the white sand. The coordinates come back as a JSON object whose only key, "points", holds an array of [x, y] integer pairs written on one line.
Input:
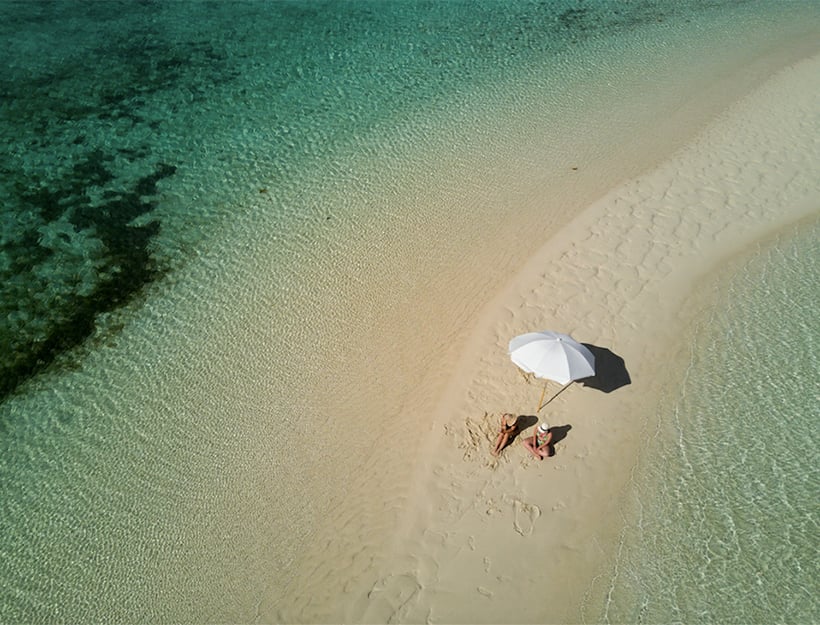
{"points": [[480, 541]]}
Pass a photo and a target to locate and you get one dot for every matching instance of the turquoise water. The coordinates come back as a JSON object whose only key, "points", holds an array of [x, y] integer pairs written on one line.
{"points": [[179, 173], [136, 130], [724, 524]]}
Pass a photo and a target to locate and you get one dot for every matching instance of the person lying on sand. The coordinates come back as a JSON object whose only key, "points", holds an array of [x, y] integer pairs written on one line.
{"points": [[505, 432], [540, 443]]}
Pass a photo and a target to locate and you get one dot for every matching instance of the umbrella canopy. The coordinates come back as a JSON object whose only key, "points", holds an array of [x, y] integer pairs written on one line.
{"points": [[552, 356]]}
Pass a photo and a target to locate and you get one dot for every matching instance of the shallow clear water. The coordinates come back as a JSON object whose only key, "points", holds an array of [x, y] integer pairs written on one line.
{"points": [[723, 525], [137, 131], [192, 190]]}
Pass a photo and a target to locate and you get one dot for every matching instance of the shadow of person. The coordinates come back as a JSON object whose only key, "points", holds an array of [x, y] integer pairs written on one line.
{"points": [[610, 370], [525, 421], [559, 432]]}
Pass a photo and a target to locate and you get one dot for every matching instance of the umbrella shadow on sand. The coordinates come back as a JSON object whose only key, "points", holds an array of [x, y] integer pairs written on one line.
{"points": [[610, 370]]}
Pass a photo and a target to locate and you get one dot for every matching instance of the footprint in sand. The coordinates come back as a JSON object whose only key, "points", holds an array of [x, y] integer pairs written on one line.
{"points": [[389, 596], [492, 508], [524, 515], [483, 591]]}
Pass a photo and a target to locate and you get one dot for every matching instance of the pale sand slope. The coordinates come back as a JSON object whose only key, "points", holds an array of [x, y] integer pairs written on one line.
{"points": [[520, 540]]}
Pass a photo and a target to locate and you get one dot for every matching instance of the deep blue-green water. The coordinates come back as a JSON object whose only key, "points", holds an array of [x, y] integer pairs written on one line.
{"points": [[169, 165], [136, 129]]}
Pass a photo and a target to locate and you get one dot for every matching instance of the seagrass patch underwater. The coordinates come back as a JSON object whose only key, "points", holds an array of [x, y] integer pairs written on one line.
{"points": [[167, 234]]}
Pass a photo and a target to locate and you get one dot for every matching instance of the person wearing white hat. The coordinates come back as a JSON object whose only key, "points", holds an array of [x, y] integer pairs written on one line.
{"points": [[540, 443]]}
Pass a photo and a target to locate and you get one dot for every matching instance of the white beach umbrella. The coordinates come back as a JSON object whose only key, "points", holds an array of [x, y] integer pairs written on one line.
{"points": [[552, 356]]}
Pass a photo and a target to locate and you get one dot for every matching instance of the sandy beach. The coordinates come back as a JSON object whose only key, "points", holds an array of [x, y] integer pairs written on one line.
{"points": [[463, 538], [260, 272]]}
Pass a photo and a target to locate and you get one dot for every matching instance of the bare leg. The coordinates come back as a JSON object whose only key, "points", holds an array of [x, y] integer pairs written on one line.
{"points": [[498, 444], [501, 442], [529, 443], [505, 439]]}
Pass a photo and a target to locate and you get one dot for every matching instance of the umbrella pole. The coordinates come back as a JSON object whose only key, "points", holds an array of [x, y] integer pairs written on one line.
{"points": [[541, 401]]}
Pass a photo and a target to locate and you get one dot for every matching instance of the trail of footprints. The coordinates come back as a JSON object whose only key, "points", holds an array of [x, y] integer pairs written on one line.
{"points": [[524, 516]]}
